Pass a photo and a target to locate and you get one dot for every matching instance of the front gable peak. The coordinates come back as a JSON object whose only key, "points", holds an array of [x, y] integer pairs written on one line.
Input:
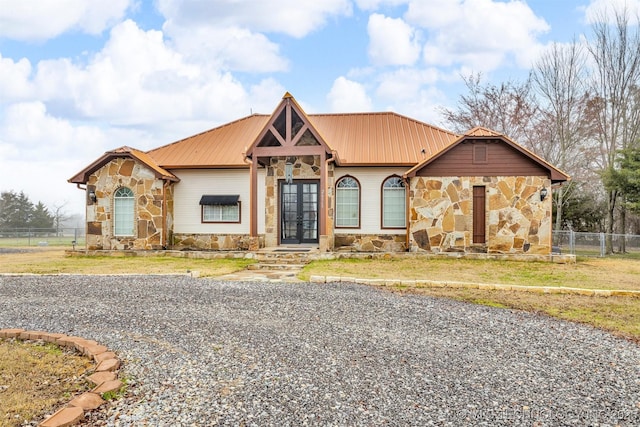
{"points": [[288, 131]]}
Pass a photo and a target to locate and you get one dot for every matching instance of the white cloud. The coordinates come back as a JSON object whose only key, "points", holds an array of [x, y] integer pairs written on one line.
{"points": [[423, 105], [348, 96], [264, 96], [392, 41], [599, 9], [39, 152], [137, 79], [41, 20], [15, 84], [405, 83], [232, 48], [376, 4], [481, 34], [40, 136], [291, 17]]}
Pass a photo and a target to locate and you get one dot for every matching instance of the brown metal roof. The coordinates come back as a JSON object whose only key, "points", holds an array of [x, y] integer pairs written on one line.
{"points": [[380, 138], [479, 131], [223, 146], [359, 139]]}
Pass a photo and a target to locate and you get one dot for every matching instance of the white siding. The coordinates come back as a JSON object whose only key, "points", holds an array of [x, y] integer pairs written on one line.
{"points": [[261, 200], [370, 180], [194, 183]]}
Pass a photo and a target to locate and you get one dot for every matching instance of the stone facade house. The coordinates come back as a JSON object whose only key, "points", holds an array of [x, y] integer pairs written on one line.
{"points": [[342, 182]]}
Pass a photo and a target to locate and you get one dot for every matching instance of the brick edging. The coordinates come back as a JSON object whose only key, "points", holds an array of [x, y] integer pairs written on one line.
{"points": [[105, 376], [483, 286]]}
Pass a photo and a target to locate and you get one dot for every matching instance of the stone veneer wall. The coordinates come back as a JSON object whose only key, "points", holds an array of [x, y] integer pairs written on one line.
{"points": [[148, 193], [304, 167], [441, 217], [371, 242], [214, 242]]}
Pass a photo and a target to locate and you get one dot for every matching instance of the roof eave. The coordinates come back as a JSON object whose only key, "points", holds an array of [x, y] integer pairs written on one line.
{"points": [[83, 176]]}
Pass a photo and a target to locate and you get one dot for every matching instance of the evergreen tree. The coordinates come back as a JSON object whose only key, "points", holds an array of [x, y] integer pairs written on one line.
{"points": [[625, 179], [41, 218], [16, 210]]}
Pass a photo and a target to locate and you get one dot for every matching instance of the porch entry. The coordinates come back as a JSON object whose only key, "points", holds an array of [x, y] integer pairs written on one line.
{"points": [[299, 211]]}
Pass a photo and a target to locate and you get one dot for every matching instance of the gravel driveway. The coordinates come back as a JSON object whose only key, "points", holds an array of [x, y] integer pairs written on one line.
{"points": [[205, 352]]}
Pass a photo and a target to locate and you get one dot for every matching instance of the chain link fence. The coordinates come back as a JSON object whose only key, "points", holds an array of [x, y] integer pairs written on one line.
{"points": [[564, 241], [71, 237], [594, 244]]}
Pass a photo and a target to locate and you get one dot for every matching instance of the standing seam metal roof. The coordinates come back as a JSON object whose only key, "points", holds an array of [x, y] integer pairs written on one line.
{"points": [[358, 138]]}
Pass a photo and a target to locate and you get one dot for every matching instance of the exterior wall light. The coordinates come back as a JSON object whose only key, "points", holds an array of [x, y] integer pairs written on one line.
{"points": [[543, 194], [92, 196], [288, 172]]}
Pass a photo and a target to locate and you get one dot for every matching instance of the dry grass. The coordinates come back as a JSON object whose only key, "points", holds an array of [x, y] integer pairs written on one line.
{"points": [[54, 261], [592, 273], [35, 379]]}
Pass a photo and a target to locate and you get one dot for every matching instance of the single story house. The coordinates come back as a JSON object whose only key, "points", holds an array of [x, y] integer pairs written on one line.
{"points": [[356, 182]]}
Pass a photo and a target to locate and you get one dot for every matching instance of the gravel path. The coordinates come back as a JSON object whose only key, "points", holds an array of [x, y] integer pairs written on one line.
{"points": [[204, 352]]}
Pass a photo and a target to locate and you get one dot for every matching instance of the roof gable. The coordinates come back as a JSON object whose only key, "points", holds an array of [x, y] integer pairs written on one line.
{"points": [[511, 158], [83, 176], [288, 132]]}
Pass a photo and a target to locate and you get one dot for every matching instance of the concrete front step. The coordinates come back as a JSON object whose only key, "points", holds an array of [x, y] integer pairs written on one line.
{"points": [[274, 266], [284, 258], [289, 260]]}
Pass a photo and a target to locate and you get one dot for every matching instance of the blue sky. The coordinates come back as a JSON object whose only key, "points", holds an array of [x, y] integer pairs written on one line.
{"points": [[80, 77]]}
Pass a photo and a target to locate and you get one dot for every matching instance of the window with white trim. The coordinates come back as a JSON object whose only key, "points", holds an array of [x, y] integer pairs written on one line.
{"points": [[348, 203], [394, 203], [123, 212]]}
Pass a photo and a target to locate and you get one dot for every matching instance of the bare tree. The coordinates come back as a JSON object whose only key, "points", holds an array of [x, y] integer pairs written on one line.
{"points": [[59, 216], [508, 108], [615, 51], [559, 78]]}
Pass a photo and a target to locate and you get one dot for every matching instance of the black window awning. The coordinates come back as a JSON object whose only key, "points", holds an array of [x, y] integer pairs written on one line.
{"points": [[219, 199]]}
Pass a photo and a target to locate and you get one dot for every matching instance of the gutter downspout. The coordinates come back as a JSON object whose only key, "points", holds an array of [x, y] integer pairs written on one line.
{"points": [[164, 235], [86, 207], [326, 194], [253, 196], [407, 184]]}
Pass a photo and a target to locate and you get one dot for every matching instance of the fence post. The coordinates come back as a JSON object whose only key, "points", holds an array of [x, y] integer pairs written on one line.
{"points": [[572, 242], [602, 245]]}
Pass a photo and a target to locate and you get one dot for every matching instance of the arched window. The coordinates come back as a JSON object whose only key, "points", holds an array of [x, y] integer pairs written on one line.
{"points": [[393, 203], [123, 212], [348, 203]]}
